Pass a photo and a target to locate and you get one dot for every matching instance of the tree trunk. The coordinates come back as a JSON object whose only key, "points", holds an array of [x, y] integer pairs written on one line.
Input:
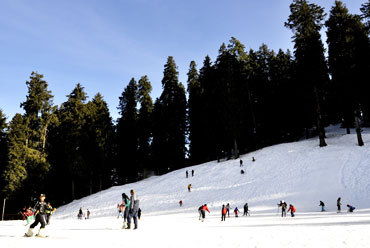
{"points": [[91, 182], [320, 127], [236, 149], [73, 189], [358, 130]]}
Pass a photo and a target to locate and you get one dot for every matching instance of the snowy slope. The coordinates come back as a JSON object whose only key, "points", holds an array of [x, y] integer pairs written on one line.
{"points": [[300, 173]]}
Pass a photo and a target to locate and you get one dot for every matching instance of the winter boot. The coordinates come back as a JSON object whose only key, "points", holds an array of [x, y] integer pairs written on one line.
{"points": [[124, 225], [29, 233], [41, 233], [135, 227], [128, 226]]}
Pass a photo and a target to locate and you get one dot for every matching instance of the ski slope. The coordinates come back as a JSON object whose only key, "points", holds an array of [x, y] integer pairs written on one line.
{"points": [[300, 173]]}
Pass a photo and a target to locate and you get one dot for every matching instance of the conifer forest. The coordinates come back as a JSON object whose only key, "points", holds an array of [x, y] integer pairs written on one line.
{"points": [[241, 101]]}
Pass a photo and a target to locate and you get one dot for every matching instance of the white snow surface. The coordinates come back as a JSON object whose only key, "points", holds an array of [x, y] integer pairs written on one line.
{"points": [[301, 173]]}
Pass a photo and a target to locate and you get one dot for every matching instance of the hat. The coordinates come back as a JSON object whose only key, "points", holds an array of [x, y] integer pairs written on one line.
{"points": [[42, 195]]}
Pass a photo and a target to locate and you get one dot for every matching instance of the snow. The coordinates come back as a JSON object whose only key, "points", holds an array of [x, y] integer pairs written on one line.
{"points": [[300, 173]]}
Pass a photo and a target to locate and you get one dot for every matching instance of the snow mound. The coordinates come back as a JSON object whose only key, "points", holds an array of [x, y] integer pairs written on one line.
{"points": [[300, 173]]}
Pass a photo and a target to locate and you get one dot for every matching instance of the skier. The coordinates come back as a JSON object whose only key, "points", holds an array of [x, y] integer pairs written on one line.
{"points": [[192, 173], [228, 209], [322, 204], [87, 214], [236, 211], [241, 163], [253, 159], [283, 206], [49, 211], [40, 217], [203, 211], [223, 213], [291, 209], [134, 208], [339, 204], [126, 204], [80, 214], [242, 172], [245, 209], [200, 211], [189, 187], [186, 174], [180, 202], [350, 208]]}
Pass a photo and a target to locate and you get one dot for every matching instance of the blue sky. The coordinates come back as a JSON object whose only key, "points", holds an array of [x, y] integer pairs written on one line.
{"points": [[103, 44]]}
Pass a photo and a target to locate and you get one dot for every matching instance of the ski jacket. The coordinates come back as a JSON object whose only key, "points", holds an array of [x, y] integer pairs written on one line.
{"points": [[41, 207], [205, 208], [134, 202], [291, 208], [351, 208], [224, 211]]}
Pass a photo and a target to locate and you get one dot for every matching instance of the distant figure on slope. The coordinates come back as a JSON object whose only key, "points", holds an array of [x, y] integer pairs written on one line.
{"points": [[236, 211], [119, 210], [228, 209], [253, 159], [245, 209], [200, 211], [322, 205], [291, 209], [180, 202], [203, 211], [187, 174], [87, 214], [241, 163], [192, 173], [80, 214], [350, 208], [223, 213], [189, 187], [49, 211], [339, 205], [283, 206], [242, 172]]}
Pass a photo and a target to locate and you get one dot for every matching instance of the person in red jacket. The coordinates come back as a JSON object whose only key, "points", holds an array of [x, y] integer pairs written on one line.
{"points": [[291, 209], [203, 211], [223, 213]]}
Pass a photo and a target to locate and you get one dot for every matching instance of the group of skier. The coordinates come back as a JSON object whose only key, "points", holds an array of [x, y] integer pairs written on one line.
{"points": [[339, 206]]}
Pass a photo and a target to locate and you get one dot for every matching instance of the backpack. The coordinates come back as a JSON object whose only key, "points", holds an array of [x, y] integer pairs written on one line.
{"points": [[224, 211]]}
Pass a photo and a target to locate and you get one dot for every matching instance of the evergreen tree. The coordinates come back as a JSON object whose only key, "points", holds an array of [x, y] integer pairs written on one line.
{"points": [[68, 145], [127, 136], [305, 21], [145, 123], [170, 121], [365, 9], [195, 115], [3, 145], [344, 41], [100, 143]]}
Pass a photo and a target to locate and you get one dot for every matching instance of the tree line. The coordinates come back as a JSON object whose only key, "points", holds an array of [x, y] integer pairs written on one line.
{"points": [[242, 101]]}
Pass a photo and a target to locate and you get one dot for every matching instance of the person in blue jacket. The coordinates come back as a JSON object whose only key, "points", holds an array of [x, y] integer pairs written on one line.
{"points": [[350, 208]]}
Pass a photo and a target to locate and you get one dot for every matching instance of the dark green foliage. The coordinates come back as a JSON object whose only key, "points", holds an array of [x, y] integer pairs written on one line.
{"points": [[3, 147], [305, 21], [170, 121], [145, 125], [127, 135]]}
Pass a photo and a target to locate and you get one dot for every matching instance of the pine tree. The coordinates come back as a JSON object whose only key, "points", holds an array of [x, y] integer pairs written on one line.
{"points": [[170, 118], [195, 115], [344, 64], [127, 135], [145, 125], [3, 147], [305, 21], [100, 141]]}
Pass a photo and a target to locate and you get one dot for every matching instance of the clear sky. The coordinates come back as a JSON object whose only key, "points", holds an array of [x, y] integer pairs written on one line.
{"points": [[103, 44]]}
